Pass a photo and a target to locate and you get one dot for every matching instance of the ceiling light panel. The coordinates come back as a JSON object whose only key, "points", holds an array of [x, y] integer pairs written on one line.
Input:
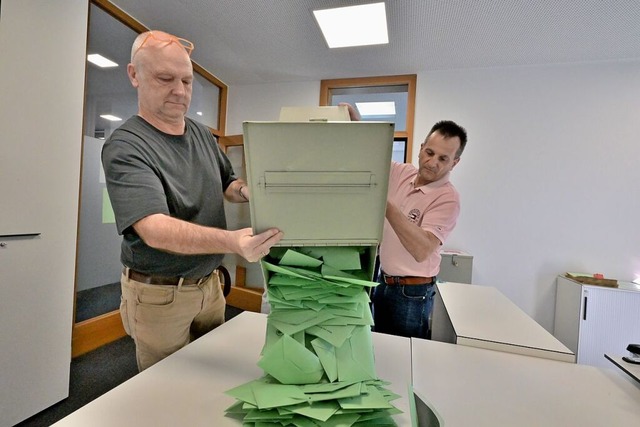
{"points": [[362, 25], [101, 61], [111, 117]]}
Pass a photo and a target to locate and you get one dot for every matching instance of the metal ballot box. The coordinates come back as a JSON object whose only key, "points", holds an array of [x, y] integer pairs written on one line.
{"points": [[321, 183]]}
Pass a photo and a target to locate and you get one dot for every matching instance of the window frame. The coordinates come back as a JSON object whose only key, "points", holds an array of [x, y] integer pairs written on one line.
{"points": [[326, 86]]}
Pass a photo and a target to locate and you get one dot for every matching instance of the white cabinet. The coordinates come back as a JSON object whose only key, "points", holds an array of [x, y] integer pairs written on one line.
{"points": [[42, 75], [594, 320], [455, 267]]}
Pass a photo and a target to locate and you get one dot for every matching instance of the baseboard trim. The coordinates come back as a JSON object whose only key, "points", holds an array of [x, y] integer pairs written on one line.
{"points": [[93, 333], [247, 299]]}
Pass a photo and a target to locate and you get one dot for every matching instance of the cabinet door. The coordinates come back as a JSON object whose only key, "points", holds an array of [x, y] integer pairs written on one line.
{"points": [[610, 320], [42, 63], [35, 332]]}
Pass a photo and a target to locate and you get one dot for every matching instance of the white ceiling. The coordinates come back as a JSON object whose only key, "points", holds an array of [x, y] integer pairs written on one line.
{"points": [[259, 41]]}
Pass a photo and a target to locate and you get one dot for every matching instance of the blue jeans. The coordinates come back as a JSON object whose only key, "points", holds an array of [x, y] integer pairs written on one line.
{"points": [[403, 309]]}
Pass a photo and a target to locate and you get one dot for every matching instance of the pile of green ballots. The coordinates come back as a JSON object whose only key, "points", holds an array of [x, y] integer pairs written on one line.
{"points": [[318, 354]]}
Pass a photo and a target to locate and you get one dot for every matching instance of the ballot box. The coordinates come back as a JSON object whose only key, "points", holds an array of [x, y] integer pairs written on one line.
{"points": [[321, 183], [324, 184]]}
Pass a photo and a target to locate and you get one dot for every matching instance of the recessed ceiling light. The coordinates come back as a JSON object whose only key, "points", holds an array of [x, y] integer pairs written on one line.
{"points": [[376, 108], [100, 61], [110, 117], [354, 25], [199, 113]]}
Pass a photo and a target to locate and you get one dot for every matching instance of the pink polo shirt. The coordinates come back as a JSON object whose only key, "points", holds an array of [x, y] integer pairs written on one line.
{"points": [[434, 207]]}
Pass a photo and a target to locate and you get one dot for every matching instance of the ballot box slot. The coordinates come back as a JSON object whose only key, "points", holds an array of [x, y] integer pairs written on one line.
{"points": [[328, 242], [315, 181]]}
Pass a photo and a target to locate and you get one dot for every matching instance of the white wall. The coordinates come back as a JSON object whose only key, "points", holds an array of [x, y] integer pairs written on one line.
{"points": [[263, 102], [547, 181]]}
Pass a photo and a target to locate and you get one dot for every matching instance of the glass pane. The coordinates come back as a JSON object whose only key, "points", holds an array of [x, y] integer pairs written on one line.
{"points": [[108, 91], [399, 153], [396, 94], [205, 102]]}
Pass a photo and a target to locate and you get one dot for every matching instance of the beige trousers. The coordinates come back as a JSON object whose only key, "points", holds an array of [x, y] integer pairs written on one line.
{"points": [[162, 319]]}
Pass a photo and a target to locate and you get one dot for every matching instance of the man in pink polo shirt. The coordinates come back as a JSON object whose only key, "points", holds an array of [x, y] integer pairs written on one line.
{"points": [[422, 209]]}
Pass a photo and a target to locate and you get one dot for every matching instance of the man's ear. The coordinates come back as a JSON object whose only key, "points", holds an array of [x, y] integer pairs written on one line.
{"points": [[133, 75], [455, 162]]}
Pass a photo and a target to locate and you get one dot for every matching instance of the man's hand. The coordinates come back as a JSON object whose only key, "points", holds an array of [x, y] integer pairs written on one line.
{"points": [[254, 247], [237, 192], [353, 113]]}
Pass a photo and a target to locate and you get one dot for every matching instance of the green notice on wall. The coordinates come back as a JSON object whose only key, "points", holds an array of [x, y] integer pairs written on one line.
{"points": [[108, 217]]}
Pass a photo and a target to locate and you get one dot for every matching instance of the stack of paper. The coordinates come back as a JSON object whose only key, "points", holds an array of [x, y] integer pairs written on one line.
{"points": [[592, 279], [318, 354]]}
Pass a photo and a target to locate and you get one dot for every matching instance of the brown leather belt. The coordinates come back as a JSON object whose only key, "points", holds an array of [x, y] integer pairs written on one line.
{"points": [[162, 280], [407, 280]]}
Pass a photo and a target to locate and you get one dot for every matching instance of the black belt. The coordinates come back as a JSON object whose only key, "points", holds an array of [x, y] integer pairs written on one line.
{"points": [[163, 280], [407, 280]]}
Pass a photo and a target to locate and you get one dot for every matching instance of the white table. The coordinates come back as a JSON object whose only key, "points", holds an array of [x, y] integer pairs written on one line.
{"points": [[187, 388], [630, 369], [481, 316], [476, 387]]}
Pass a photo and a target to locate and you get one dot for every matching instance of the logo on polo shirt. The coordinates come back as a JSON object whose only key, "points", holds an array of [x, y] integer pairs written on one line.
{"points": [[414, 215]]}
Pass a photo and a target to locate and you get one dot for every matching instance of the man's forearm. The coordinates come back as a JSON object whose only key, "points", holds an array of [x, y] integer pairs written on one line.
{"points": [[418, 242], [181, 237], [169, 234]]}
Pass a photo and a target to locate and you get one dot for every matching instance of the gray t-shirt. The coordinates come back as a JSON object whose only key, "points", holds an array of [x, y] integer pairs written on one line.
{"points": [[150, 172]]}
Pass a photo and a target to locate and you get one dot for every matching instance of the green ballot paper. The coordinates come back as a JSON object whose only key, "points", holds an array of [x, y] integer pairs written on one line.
{"points": [[318, 354]]}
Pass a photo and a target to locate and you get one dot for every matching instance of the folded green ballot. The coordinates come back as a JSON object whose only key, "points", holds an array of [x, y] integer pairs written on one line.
{"points": [[318, 352]]}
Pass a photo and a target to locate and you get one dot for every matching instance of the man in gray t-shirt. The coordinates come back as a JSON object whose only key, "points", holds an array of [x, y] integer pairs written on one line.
{"points": [[167, 180]]}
